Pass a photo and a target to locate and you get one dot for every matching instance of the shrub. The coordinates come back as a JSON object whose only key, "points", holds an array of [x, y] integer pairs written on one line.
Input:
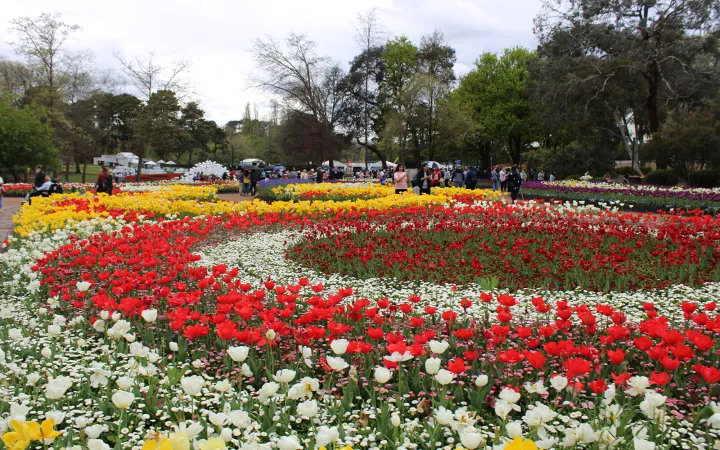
{"points": [[705, 178], [572, 177], [662, 177]]}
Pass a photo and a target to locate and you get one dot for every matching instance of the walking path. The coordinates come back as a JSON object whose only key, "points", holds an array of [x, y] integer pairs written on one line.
{"points": [[10, 207]]}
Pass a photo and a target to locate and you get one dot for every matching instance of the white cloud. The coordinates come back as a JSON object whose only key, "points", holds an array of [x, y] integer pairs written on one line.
{"points": [[216, 35]]}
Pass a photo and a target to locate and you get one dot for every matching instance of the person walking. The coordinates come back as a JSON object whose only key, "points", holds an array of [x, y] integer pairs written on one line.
{"points": [[447, 176], [99, 183], [514, 182], [471, 178], [108, 181], [401, 180], [459, 177], [254, 178], [318, 175], [2, 193], [495, 179], [436, 177], [246, 183], [503, 180]]}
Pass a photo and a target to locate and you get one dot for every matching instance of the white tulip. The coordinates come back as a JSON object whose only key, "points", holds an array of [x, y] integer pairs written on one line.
{"points": [[57, 387], [268, 390], [444, 377], [339, 346], [238, 354], [192, 385], [288, 443], [642, 444], [438, 347], [308, 409], [99, 325], [395, 420], [222, 386], [443, 416], [125, 383], [174, 346], [481, 381], [470, 438], [509, 395], [337, 364], [382, 375], [284, 376], [97, 444], [83, 286], [94, 431], [326, 435], [513, 429], [123, 399], [46, 353], [637, 386], [432, 365], [57, 416], [245, 371], [32, 379], [54, 330], [218, 419], [149, 315], [559, 382]]}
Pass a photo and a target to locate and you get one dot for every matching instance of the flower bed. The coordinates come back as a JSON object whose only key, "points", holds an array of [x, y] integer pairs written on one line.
{"points": [[641, 197], [132, 326], [528, 247]]}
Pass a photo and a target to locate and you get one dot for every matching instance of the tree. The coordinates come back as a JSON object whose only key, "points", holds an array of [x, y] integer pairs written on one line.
{"points": [[25, 139], [151, 78], [400, 58], [368, 34], [161, 129], [307, 83], [436, 60], [16, 79], [627, 62], [367, 65], [305, 139], [496, 90], [689, 141], [42, 42]]}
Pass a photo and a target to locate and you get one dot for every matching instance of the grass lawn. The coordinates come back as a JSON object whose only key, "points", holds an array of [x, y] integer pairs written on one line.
{"points": [[90, 175]]}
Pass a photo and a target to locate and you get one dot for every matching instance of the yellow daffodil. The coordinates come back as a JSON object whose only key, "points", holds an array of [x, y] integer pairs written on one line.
{"points": [[19, 438], [520, 444], [155, 444], [46, 430]]}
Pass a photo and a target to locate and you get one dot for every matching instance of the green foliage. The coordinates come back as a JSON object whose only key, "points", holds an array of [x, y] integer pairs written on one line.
{"points": [[706, 178], [497, 93], [25, 138], [662, 177], [688, 140], [571, 159]]}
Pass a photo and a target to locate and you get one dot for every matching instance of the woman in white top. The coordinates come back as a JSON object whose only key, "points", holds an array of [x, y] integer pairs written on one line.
{"points": [[401, 180], [503, 180]]}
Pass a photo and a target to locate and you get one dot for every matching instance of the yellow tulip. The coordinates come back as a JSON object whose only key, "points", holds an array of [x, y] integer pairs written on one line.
{"points": [[19, 438], [213, 443], [520, 444], [154, 444]]}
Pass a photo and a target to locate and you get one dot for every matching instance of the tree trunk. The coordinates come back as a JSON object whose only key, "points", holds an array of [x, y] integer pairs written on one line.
{"points": [[14, 174], [77, 164], [652, 99], [84, 172], [67, 170], [631, 146]]}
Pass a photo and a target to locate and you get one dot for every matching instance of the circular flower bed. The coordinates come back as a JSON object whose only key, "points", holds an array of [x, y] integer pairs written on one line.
{"points": [[520, 247], [128, 331]]}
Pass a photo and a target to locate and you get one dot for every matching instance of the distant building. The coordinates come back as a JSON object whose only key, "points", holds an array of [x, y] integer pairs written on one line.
{"points": [[126, 159]]}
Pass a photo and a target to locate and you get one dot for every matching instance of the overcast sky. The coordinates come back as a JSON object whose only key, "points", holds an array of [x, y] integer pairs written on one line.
{"points": [[215, 35]]}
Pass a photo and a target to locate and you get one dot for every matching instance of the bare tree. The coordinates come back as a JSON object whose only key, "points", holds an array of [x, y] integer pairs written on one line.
{"points": [[307, 82], [42, 41], [16, 78], [368, 34], [147, 76]]}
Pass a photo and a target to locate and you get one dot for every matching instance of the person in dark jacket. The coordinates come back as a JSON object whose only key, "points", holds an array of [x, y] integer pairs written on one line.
{"points": [[254, 178], [318, 175], [108, 181], [471, 178], [39, 176], [514, 181]]}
